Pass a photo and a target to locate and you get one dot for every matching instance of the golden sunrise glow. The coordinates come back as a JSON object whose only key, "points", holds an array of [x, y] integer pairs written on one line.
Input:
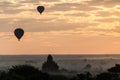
{"points": [[65, 27]]}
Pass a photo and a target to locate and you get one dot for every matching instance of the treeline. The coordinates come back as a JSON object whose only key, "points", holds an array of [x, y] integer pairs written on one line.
{"points": [[27, 72]]}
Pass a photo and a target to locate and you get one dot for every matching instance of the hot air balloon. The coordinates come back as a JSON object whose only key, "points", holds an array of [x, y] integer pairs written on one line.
{"points": [[19, 33], [40, 9]]}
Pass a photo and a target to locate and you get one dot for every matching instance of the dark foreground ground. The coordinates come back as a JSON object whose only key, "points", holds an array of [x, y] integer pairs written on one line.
{"points": [[27, 72]]}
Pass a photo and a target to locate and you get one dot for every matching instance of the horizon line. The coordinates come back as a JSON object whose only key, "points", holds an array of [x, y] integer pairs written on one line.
{"points": [[61, 54]]}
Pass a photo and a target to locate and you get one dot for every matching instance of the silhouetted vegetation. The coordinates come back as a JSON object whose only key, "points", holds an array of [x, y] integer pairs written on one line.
{"points": [[84, 76], [112, 74], [58, 77], [27, 72], [115, 69], [107, 76], [24, 72]]}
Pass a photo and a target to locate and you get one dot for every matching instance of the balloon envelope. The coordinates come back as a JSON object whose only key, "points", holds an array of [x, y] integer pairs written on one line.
{"points": [[40, 9], [19, 33]]}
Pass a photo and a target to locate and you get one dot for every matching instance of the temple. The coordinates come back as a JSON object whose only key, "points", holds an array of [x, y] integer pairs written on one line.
{"points": [[50, 65]]}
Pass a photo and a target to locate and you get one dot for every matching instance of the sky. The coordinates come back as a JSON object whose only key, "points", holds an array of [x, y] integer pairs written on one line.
{"points": [[65, 27]]}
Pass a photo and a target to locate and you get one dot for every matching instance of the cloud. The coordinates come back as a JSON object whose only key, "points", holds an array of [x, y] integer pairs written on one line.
{"points": [[29, 1], [105, 3], [108, 20], [77, 14], [71, 6], [59, 15], [108, 13], [51, 0], [42, 26]]}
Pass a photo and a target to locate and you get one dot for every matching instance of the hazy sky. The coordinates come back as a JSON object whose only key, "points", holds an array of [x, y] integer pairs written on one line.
{"points": [[65, 27]]}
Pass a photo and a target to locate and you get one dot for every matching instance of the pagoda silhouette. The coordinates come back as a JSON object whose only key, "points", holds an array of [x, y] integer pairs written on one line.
{"points": [[50, 65]]}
